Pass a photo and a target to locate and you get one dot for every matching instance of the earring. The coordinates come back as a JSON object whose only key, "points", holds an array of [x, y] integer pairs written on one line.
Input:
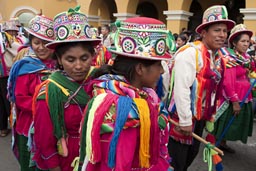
{"points": [[61, 67]]}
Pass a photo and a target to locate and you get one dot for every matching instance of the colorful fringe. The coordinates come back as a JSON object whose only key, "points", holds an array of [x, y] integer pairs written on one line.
{"points": [[124, 107], [206, 81]]}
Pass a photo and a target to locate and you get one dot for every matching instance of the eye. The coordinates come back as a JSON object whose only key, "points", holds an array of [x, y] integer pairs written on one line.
{"points": [[84, 58], [70, 59]]}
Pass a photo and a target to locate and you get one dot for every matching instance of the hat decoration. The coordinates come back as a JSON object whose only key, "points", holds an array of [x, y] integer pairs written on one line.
{"points": [[72, 26], [11, 24], [213, 15], [41, 27], [237, 30], [142, 37]]}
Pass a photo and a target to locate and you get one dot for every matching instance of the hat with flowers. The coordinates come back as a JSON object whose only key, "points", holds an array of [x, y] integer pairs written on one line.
{"points": [[11, 24], [143, 37], [215, 14], [41, 27], [72, 26], [237, 30]]}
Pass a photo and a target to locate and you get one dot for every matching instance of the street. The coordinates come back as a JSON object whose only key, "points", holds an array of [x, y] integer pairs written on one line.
{"points": [[243, 160]]}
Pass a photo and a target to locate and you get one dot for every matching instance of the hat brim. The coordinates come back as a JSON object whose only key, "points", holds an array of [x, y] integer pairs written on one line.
{"points": [[54, 44], [232, 36], [230, 24], [38, 35], [166, 56]]}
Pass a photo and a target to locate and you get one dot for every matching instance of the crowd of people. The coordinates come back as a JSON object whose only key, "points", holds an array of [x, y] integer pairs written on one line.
{"points": [[130, 98]]}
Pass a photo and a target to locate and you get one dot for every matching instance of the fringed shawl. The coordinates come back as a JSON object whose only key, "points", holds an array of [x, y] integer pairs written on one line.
{"points": [[117, 105], [59, 91], [26, 65]]}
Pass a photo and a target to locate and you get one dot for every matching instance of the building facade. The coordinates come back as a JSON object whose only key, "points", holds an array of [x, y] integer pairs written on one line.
{"points": [[176, 14]]}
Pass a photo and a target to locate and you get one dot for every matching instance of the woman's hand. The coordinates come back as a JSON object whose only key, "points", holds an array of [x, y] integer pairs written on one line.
{"points": [[236, 108]]}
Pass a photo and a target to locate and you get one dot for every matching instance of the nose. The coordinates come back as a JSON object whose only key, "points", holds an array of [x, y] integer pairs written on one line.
{"points": [[223, 33], [247, 43], [78, 65], [42, 46]]}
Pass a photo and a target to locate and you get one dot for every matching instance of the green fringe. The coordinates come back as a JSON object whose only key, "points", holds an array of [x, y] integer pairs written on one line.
{"points": [[83, 132], [56, 103]]}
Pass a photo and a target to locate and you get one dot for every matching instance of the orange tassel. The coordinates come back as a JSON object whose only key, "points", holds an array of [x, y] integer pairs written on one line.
{"points": [[216, 159]]}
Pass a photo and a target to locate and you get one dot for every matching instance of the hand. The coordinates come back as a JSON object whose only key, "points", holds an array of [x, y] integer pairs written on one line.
{"points": [[185, 130], [236, 108]]}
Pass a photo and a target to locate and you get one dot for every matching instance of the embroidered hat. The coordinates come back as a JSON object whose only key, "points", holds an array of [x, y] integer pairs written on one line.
{"points": [[11, 24], [237, 30], [213, 15], [41, 27], [72, 26], [142, 37]]}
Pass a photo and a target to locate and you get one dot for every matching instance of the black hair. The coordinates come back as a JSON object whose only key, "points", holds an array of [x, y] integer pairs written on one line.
{"points": [[175, 35], [124, 66], [106, 26], [64, 47], [31, 36], [183, 37]]}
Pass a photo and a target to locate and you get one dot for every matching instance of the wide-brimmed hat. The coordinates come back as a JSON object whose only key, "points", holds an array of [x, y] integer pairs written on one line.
{"points": [[41, 27], [11, 24], [72, 26], [215, 14], [237, 30], [145, 38]]}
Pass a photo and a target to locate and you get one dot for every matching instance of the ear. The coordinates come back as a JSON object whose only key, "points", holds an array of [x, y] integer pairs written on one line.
{"points": [[203, 33], [234, 44], [139, 69]]}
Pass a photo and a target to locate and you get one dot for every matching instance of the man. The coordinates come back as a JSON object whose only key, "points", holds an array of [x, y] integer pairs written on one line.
{"points": [[106, 37], [197, 71]]}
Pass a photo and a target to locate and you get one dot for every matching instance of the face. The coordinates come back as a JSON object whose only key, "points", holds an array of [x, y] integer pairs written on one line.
{"points": [[214, 38], [180, 42], [243, 44], [76, 62], [151, 74], [38, 46], [104, 30]]}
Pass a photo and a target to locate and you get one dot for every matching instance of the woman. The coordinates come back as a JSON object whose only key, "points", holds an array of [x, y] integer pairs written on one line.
{"points": [[236, 84], [60, 100], [181, 40], [125, 125], [25, 75]]}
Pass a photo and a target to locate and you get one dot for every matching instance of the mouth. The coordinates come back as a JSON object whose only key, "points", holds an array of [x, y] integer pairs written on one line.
{"points": [[220, 41], [79, 74]]}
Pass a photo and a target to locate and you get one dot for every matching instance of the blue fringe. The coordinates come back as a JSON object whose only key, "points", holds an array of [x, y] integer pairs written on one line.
{"points": [[159, 87], [123, 108], [219, 167]]}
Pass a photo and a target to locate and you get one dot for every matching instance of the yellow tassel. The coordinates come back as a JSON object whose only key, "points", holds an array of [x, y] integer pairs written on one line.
{"points": [[75, 164], [64, 90], [144, 115]]}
